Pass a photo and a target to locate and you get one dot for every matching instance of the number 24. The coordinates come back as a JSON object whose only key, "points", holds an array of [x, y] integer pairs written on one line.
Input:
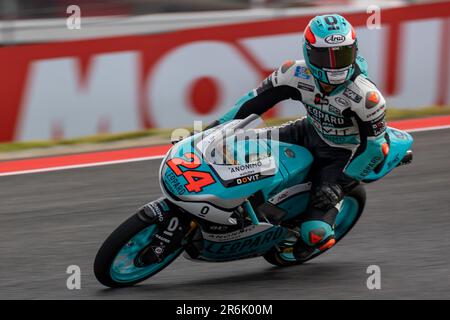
{"points": [[197, 180]]}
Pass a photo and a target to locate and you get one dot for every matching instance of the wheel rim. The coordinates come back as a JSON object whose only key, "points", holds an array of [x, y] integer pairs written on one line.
{"points": [[123, 268], [344, 221]]}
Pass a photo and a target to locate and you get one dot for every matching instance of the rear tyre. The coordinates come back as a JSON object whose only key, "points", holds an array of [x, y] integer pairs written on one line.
{"points": [[115, 266], [349, 214]]}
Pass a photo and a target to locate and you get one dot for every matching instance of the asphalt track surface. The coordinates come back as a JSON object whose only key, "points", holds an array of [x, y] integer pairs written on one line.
{"points": [[49, 221]]}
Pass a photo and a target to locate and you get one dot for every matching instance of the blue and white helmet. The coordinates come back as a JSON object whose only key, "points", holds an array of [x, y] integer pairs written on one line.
{"points": [[330, 48]]}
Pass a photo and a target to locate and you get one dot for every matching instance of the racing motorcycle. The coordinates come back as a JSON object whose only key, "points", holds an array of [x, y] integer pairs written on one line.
{"points": [[229, 193]]}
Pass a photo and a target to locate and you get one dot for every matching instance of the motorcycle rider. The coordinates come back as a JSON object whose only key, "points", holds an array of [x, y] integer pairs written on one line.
{"points": [[344, 128]]}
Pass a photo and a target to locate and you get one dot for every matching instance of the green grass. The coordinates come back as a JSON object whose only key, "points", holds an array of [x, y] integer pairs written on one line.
{"points": [[392, 114], [100, 138], [397, 114]]}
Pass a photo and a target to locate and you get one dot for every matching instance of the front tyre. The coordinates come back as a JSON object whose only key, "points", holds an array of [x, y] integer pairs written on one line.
{"points": [[349, 214], [115, 264]]}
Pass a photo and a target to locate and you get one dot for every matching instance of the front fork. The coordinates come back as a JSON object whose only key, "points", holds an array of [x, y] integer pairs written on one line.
{"points": [[173, 227]]}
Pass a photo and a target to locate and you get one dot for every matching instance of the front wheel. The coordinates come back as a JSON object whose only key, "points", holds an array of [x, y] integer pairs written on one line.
{"points": [[115, 264], [349, 214]]}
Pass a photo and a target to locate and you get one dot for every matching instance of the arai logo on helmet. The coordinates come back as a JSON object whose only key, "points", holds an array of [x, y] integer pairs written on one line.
{"points": [[335, 39]]}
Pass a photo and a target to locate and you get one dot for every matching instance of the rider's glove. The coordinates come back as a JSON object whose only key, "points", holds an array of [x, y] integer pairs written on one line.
{"points": [[326, 196]]}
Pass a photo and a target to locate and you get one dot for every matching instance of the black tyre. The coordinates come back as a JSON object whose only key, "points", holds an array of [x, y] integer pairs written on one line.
{"points": [[114, 264], [354, 203]]}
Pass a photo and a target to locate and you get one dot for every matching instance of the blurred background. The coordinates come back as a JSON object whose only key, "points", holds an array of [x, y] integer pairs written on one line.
{"points": [[26, 9], [120, 66]]}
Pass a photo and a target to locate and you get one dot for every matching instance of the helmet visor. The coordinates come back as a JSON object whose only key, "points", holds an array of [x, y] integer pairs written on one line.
{"points": [[332, 58]]}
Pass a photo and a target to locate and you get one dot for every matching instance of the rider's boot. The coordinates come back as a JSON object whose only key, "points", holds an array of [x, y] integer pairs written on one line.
{"points": [[317, 225], [314, 234]]}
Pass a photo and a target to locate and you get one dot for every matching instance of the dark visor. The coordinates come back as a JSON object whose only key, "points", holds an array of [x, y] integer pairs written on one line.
{"points": [[332, 58]]}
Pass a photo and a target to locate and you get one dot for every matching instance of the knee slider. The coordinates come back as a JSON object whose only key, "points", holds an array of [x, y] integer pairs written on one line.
{"points": [[316, 233]]}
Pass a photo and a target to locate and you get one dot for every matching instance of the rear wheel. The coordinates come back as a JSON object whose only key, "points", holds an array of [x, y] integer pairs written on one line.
{"points": [[349, 214], [115, 264]]}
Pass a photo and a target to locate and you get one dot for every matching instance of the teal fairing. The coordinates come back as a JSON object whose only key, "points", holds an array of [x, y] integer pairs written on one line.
{"points": [[400, 143], [370, 157]]}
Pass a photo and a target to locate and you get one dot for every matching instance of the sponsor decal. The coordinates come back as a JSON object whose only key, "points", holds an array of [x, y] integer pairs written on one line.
{"points": [[373, 163], [335, 39], [334, 110], [372, 99], [218, 228], [158, 250], [341, 139], [289, 192], [287, 65], [172, 182], [289, 153], [159, 237], [320, 116], [247, 244], [378, 127], [319, 99], [234, 235], [248, 179], [352, 95], [331, 21], [302, 72], [305, 86], [264, 167], [337, 77], [245, 167], [153, 206], [245, 180], [342, 102], [337, 134], [281, 197], [378, 110]]}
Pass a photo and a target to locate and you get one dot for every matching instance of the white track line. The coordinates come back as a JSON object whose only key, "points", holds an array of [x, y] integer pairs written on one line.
{"points": [[106, 163], [76, 166], [429, 128]]}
